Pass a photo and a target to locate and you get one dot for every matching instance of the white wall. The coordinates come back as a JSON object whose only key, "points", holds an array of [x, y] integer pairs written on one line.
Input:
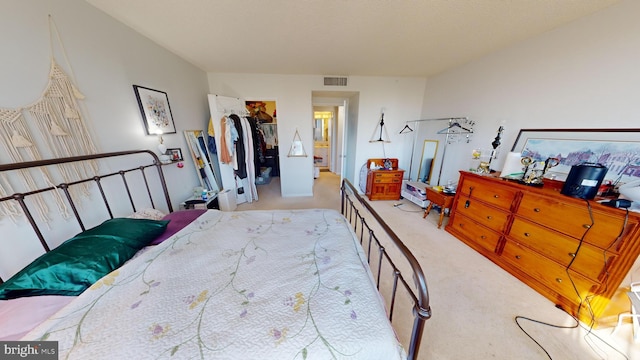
{"points": [[106, 59], [583, 75], [400, 97]]}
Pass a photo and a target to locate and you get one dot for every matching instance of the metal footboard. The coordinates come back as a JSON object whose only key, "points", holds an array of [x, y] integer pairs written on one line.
{"points": [[368, 239]]}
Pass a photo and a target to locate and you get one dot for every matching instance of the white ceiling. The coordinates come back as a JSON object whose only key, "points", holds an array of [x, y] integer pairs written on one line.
{"points": [[341, 37]]}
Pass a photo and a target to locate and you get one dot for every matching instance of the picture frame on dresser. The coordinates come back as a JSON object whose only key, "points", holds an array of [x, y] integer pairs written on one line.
{"points": [[616, 149]]}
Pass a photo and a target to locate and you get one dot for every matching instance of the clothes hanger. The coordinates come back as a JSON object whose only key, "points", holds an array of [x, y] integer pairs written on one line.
{"points": [[456, 124], [406, 127]]}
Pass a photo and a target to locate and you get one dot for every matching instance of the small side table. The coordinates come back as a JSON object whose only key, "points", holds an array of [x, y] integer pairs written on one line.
{"points": [[197, 203], [438, 198]]}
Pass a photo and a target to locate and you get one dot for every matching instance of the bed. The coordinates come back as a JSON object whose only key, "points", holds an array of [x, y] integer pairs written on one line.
{"points": [[283, 284]]}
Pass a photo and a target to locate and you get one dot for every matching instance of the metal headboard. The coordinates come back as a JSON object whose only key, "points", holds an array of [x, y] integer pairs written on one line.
{"points": [[419, 292], [20, 197]]}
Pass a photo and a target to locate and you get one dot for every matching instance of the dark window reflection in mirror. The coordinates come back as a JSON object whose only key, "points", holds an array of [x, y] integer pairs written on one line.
{"points": [[429, 152], [203, 155]]}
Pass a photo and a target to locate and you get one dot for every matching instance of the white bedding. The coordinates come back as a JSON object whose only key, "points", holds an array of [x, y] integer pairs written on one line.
{"points": [[235, 285]]}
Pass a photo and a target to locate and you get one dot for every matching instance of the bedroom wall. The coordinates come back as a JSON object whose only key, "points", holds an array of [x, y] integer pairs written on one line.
{"points": [[106, 59], [582, 75], [400, 97]]}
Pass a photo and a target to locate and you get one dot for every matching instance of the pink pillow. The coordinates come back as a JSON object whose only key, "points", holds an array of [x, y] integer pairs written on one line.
{"points": [[177, 221], [19, 316]]}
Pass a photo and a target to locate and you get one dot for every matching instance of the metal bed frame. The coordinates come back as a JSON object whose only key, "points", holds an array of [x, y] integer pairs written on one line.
{"points": [[349, 208], [419, 292], [64, 187]]}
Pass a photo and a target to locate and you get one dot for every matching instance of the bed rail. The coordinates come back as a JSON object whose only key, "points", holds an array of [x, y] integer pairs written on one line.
{"points": [[419, 293], [64, 187]]}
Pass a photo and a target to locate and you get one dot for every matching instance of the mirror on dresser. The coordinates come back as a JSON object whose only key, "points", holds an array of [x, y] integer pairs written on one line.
{"points": [[425, 169], [202, 155]]}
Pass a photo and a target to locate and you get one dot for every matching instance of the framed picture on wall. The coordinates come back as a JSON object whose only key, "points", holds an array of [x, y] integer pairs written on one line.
{"points": [[155, 110], [617, 149]]}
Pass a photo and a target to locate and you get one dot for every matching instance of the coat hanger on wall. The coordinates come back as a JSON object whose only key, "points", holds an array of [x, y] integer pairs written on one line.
{"points": [[406, 129]]}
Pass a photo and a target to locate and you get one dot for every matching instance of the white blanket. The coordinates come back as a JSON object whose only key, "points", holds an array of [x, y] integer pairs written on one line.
{"points": [[235, 285]]}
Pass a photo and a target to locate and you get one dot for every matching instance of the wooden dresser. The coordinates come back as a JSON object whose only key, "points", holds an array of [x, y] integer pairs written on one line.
{"points": [[554, 243], [384, 183]]}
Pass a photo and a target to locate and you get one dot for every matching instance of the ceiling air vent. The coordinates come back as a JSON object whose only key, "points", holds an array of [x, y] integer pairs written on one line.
{"points": [[335, 81]]}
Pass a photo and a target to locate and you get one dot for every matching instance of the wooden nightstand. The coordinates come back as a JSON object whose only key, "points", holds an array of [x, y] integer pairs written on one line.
{"points": [[384, 183], [438, 198]]}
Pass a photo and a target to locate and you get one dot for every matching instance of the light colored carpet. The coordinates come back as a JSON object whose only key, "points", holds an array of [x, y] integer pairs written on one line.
{"points": [[474, 302]]}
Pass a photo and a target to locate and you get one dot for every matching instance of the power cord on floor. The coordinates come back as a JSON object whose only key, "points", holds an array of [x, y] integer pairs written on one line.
{"points": [[590, 333], [398, 205], [582, 300], [543, 323]]}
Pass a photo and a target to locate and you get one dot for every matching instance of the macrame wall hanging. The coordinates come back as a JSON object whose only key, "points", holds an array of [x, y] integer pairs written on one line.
{"points": [[58, 119]]}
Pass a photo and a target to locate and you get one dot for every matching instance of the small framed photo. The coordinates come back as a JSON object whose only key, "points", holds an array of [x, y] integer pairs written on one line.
{"points": [[155, 110], [175, 154]]}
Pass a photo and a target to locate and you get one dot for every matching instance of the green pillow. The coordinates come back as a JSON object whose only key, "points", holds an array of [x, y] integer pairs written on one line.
{"points": [[84, 259]]}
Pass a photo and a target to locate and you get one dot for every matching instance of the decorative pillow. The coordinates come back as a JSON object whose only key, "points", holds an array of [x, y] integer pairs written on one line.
{"points": [[149, 213], [82, 260], [177, 221]]}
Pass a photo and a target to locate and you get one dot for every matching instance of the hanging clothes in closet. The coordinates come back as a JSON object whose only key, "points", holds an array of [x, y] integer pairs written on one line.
{"points": [[238, 151]]}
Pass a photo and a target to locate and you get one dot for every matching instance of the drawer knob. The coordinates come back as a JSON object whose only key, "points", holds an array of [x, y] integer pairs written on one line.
{"points": [[536, 209], [559, 280], [586, 226], [527, 234], [461, 225], [495, 196], [518, 257], [572, 254], [489, 217], [482, 237]]}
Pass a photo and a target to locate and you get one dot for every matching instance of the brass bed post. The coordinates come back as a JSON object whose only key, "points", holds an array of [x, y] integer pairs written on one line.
{"points": [[126, 186], [20, 199], [146, 183], [65, 189]]}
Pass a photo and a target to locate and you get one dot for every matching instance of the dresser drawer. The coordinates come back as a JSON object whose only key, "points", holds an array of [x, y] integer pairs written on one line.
{"points": [[487, 191], [589, 260], [573, 219], [488, 216], [474, 232], [387, 177], [547, 272]]}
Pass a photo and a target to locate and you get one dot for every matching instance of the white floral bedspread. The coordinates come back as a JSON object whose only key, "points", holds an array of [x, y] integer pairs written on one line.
{"points": [[235, 285]]}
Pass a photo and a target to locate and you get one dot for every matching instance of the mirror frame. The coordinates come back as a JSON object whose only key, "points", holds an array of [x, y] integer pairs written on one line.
{"points": [[426, 146], [213, 184]]}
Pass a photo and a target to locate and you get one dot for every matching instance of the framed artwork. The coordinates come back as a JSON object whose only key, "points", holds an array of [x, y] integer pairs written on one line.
{"points": [[175, 154], [617, 149], [155, 110]]}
